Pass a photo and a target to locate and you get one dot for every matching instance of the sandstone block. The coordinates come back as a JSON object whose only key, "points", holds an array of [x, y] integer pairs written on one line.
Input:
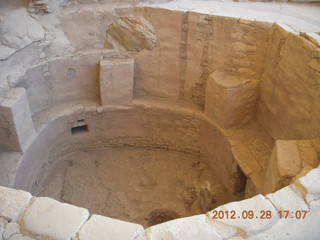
{"points": [[284, 165], [134, 33], [11, 229], [290, 198], [195, 227], [15, 120], [309, 150], [246, 159], [230, 100], [100, 228], [224, 230], [12, 202], [52, 219], [311, 182], [116, 81], [288, 156], [291, 228], [258, 205]]}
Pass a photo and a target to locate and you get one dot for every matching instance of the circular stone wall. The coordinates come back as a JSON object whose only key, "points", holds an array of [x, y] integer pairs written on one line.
{"points": [[210, 95], [128, 162]]}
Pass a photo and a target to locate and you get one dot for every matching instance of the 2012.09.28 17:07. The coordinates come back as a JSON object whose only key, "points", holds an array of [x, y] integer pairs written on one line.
{"points": [[263, 214]]}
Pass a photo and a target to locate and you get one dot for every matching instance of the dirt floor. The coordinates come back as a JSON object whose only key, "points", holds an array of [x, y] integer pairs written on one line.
{"points": [[136, 185]]}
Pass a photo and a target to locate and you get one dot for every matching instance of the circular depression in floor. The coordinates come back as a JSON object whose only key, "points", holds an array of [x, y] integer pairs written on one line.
{"points": [[145, 186]]}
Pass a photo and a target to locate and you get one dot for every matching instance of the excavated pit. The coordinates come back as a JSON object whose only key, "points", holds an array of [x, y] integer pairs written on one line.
{"points": [[145, 164], [193, 124], [137, 185]]}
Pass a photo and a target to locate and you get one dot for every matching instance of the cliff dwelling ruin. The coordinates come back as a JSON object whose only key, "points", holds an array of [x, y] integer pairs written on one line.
{"points": [[159, 119]]}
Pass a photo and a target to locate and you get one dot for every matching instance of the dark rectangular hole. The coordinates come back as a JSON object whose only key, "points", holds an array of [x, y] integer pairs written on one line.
{"points": [[80, 120], [79, 129]]}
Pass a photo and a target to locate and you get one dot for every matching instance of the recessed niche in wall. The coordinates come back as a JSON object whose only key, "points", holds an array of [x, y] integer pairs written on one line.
{"points": [[79, 129], [71, 73]]}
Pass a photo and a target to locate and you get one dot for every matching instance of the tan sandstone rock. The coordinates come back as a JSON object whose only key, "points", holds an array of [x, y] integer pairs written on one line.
{"points": [[12, 202], [230, 99], [17, 31], [59, 221], [134, 33], [100, 228]]}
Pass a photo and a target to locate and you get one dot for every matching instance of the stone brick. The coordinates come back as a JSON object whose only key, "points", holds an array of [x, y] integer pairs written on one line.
{"points": [[224, 230], [11, 229], [311, 182], [294, 228], [195, 227], [12, 202], [100, 228], [288, 158], [284, 165], [15, 120], [52, 219], [308, 150], [290, 198], [230, 100]]}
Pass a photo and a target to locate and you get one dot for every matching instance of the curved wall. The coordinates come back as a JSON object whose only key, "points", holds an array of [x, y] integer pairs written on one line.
{"points": [[134, 126], [191, 47], [143, 124], [290, 86]]}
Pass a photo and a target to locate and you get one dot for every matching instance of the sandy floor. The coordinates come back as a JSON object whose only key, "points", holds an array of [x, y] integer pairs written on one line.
{"points": [[142, 186]]}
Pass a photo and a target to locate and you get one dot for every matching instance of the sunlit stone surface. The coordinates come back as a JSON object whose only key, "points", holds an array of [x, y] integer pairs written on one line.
{"points": [[153, 119]]}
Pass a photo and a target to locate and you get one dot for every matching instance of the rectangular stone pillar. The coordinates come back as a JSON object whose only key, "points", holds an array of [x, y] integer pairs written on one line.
{"points": [[230, 100], [116, 81], [16, 125]]}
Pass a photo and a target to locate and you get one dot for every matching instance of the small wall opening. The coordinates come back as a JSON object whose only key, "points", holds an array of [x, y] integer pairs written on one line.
{"points": [[79, 129]]}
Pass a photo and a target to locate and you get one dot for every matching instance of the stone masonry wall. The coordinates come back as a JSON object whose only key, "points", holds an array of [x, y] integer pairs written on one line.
{"points": [[220, 43], [290, 86], [138, 126], [191, 46], [177, 68], [62, 79], [217, 150]]}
